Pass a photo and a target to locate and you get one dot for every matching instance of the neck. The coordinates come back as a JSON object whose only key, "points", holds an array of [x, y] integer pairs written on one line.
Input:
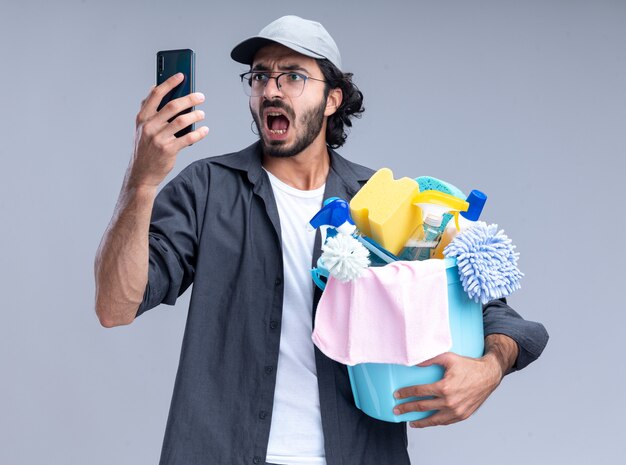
{"points": [[305, 171]]}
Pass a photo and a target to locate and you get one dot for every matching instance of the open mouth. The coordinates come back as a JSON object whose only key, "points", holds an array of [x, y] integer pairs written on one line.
{"points": [[277, 123]]}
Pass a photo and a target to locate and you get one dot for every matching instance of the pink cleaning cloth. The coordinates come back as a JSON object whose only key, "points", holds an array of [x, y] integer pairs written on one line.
{"points": [[397, 313]]}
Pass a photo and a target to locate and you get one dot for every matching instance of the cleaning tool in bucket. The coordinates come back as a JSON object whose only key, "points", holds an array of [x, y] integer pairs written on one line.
{"points": [[320, 274], [438, 203], [487, 262], [424, 239], [335, 213], [383, 209], [467, 219], [343, 256], [476, 201], [369, 342], [425, 236], [378, 255], [428, 183], [373, 384], [392, 314]]}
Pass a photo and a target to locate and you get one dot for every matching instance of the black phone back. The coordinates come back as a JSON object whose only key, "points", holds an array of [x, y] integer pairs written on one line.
{"points": [[170, 62]]}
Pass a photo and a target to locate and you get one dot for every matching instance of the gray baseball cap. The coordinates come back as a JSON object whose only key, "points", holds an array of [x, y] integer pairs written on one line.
{"points": [[306, 37]]}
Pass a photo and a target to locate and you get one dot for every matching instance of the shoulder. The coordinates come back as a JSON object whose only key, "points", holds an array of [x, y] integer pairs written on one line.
{"points": [[350, 169]]}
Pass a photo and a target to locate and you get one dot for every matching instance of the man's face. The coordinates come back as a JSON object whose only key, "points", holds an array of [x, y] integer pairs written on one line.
{"points": [[288, 125]]}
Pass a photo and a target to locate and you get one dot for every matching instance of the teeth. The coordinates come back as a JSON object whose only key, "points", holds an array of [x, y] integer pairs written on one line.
{"points": [[276, 131]]}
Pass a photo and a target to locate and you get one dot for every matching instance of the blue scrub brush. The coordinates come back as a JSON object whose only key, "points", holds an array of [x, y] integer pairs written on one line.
{"points": [[487, 262]]}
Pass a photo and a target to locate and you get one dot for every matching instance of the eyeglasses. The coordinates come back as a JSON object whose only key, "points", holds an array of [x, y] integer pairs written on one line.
{"points": [[291, 84]]}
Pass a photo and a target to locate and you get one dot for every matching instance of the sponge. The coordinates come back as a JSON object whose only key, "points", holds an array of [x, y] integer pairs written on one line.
{"points": [[428, 183], [383, 209]]}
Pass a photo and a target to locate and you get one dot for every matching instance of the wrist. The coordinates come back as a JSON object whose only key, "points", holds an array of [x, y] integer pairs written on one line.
{"points": [[135, 195], [502, 352], [143, 190], [133, 184], [494, 367]]}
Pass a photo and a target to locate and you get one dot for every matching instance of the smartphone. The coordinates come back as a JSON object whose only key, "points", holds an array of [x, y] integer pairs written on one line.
{"points": [[170, 62]]}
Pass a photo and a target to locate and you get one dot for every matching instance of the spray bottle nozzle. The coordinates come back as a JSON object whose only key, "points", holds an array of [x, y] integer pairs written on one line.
{"points": [[476, 201], [439, 203], [335, 213]]}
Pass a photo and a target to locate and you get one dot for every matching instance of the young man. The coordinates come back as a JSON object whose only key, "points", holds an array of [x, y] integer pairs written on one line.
{"points": [[251, 387]]}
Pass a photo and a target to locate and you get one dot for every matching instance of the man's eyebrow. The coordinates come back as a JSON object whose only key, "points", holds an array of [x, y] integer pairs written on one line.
{"points": [[287, 67], [295, 67]]}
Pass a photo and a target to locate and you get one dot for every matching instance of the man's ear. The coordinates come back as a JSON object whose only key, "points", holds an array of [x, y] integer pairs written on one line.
{"points": [[333, 101]]}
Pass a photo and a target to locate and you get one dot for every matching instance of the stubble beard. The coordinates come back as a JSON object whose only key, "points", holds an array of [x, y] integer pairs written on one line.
{"points": [[312, 122]]}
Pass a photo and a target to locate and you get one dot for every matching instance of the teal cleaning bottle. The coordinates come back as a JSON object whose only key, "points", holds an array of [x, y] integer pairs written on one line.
{"points": [[424, 239]]}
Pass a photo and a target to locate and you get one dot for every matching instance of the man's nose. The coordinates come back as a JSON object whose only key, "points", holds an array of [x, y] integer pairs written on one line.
{"points": [[272, 89]]}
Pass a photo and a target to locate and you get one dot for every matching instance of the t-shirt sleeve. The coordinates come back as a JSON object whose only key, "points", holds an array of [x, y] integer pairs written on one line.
{"points": [[173, 241], [531, 337]]}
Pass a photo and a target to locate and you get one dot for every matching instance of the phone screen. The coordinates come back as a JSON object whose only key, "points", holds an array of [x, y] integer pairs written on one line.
{"points": [[170, 62]]}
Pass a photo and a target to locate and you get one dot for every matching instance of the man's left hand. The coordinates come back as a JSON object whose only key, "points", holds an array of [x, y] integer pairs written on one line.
{"points": [[466, 384]]}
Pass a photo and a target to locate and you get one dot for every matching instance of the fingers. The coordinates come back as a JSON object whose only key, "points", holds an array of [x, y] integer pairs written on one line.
{"points": [[177, 105], [181, 122], [444, 360], [422, 405], [191, 138], [158, 92], [437, 419], [158, 127], [150, 104], [445, 412], [156, 145], [166, 135], [421, 390]]}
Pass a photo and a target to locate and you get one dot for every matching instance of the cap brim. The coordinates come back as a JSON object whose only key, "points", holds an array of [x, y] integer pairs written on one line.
{"points": [[245, 51]]}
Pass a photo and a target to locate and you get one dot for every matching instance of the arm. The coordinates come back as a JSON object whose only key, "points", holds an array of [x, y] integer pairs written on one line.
{"points": [[531, 337], [122, 264]]}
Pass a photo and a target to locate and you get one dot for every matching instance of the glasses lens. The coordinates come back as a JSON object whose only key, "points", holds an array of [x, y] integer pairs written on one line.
{"points": [[291, 84], [246, 84]]}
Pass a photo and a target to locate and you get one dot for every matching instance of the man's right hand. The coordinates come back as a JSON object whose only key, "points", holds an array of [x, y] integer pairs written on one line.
{"points": [[156, 146]]}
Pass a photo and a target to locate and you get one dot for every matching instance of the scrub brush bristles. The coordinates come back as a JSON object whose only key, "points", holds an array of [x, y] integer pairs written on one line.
{"points": [[487, 262], [345, 257]]}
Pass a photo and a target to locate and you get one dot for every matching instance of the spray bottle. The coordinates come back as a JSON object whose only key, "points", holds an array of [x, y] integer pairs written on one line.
{"points": [[426, 236], [335, 215], [466, 220], [423, 240]]}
